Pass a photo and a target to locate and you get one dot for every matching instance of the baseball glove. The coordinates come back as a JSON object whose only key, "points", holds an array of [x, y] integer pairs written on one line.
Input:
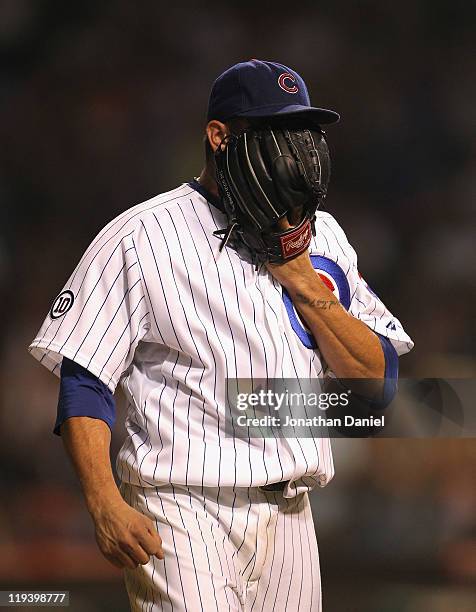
{"points": [[266, 174]]}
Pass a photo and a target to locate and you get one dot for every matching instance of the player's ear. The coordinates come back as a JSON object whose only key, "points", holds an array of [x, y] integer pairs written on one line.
{"points": [[216, 132]]}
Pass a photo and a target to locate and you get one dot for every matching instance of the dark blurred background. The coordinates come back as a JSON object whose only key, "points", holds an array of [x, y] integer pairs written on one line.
{"points": [[103, 106]]}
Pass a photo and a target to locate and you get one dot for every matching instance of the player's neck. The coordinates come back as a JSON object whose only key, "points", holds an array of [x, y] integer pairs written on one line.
{"points": [[207, 180]]}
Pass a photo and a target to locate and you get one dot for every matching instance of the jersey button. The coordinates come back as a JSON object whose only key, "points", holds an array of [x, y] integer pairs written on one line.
{"points": [[322, 479]]}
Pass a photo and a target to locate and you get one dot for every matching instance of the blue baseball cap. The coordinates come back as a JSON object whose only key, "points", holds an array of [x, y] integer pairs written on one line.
{"points": [[263, 89]]}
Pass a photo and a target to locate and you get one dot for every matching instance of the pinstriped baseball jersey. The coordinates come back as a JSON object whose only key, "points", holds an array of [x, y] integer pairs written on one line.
{"points": [[154, 305]]}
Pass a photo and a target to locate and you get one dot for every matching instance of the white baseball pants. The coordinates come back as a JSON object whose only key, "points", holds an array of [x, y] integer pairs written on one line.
{"points": [[235, 549]]}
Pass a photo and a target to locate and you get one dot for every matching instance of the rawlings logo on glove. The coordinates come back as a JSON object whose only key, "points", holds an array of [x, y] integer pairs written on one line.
{"points": [[297, 241]]}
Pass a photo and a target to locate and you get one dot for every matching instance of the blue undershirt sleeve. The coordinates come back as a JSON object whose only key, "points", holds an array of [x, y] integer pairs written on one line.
{"points": [[391, 371], [83, 394]]}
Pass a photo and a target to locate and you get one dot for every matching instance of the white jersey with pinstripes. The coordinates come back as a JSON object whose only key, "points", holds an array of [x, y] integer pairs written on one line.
{"points": [[159, 309]]}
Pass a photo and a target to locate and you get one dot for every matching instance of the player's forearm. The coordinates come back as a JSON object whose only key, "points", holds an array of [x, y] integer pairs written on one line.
{"points": [[349, 347], [125, 536], [87, 442]]}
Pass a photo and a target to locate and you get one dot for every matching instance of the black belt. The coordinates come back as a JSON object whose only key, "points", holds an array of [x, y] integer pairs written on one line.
{"points": [[275, 486]]}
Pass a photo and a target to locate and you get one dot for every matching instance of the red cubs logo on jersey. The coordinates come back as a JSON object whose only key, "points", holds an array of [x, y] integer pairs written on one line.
{"points": [[328, 282], [287, 82]]}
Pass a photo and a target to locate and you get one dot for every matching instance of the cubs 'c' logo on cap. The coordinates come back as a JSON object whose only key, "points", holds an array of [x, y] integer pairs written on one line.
{"points": [[287, 82], [335, 279], [62, 304]]}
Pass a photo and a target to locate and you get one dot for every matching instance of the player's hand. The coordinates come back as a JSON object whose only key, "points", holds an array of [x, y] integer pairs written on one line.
{"points": [[126, 537]]}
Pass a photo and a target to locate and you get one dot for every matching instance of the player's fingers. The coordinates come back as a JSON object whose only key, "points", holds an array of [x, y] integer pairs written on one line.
{"points": [[294, 216], [135, 551], [121, 560], [149, 537], [151, 542], [283, 224]]}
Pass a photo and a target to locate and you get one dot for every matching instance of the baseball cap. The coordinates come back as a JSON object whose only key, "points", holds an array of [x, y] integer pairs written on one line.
{"points": [[263, 89]]}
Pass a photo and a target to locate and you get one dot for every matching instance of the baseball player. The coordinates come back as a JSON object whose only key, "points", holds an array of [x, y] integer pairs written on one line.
{"points": [[235, 274]]}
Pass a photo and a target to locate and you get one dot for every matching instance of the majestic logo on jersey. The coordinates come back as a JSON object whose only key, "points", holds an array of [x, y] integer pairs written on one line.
{"points": [[335, 279], [290, 86], [391, 325], [62, 304]]}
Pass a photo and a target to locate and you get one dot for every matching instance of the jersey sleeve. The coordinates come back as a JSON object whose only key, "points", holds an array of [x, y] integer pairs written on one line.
{"points": [[365, 304], [369, 308], [101, 314]]}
